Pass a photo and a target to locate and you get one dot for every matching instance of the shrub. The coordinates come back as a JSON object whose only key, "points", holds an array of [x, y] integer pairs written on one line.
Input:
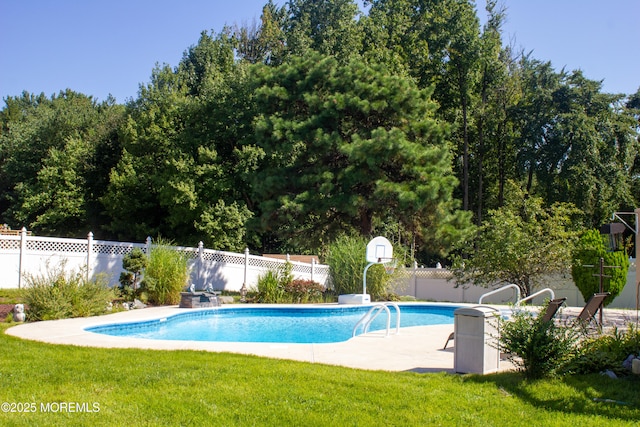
{"points": [[537, 347], [304, 291], [279, 286], [134, 263], [588, 252], [58, 294], [166, 275], [269, 288], [272, 284], [346, 260], [608, 351]]}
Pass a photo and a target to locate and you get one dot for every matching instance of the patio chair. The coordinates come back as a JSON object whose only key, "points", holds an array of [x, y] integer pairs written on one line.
{"points": [[451, 337], [550, 312], [591, 308], [552, 308]]}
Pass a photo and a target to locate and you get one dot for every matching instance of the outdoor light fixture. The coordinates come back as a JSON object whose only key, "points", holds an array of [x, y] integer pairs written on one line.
{"points": [[615, 231]]}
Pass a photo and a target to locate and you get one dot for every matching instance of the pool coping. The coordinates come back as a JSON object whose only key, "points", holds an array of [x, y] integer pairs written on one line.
{"points": [[417, 348]]}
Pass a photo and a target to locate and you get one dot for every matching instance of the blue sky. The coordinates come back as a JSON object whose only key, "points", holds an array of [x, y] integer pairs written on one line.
{"points": [[100, 47]]}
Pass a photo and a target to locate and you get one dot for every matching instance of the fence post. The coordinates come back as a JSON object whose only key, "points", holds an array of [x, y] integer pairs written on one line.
{"points": [[23, 252], [415, 279], [89, 252], [313, 267], [200, 262], [243, 290]]}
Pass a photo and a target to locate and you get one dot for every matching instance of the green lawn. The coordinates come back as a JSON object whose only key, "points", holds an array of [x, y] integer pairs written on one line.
{"points": [[146, 387]]}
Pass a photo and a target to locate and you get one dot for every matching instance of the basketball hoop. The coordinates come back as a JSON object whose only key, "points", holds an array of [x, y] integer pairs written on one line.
{"points": [[389, 264], [379, 251]]}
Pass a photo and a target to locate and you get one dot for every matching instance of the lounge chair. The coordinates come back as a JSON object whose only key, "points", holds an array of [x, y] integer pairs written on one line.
{"points": [[550, 312], [552, 308], [451, 337], [591, 308]]}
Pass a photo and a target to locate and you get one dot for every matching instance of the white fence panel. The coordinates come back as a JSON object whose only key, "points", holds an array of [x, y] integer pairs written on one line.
{"points": [[34, 255], [436, 284], [10, 261], [229, 270]]}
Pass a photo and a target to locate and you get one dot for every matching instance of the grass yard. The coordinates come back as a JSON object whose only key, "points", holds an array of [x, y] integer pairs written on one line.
{"points": [[146, 387]]}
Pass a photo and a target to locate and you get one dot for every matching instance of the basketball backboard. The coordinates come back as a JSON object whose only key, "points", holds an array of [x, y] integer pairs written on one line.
{"points": [[379, 250]]}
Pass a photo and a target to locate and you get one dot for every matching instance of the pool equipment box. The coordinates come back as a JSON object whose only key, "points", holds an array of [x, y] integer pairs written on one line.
{"points": [[354, 299], [476, 340]]}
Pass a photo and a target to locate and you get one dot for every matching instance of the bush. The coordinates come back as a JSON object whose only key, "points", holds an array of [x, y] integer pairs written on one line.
{"points": [[537, 347], [134, 263], [270, 288], [606, 352], [588, 252], [279, 286], [304, 291], [58, 295], [166, 275], [346, 260], [272, 284]]}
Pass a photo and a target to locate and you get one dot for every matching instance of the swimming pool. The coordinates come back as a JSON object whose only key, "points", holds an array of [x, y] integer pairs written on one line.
{"points": [[289, 324]]}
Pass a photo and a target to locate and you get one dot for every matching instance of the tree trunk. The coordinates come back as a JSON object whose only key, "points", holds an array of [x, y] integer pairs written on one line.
{"points": [[365, 222], [465, 154], [501, 164]]}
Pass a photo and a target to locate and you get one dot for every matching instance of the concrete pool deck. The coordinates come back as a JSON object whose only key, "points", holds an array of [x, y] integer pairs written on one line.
{"points": [[417, 349]]}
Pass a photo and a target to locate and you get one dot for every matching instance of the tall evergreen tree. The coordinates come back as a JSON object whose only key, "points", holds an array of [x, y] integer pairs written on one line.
{"points": [[345, 144]]}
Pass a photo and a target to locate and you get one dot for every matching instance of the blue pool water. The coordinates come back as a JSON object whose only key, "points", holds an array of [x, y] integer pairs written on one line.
{"points": [[275, 324]]}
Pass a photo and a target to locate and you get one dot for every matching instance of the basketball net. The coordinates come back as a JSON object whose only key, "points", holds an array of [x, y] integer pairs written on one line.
{"points": [[389, 264]]}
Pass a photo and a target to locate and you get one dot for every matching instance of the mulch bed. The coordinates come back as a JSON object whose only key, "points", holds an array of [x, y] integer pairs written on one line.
{"points": [[4, 310]]}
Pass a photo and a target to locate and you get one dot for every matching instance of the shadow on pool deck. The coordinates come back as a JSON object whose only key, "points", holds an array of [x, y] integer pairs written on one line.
{"points": [[415, 349]]}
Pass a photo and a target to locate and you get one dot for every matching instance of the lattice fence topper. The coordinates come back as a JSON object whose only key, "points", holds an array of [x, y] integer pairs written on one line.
{"points": [[427, 273], [265, 263], [10, 244], [19, 254], [222, 257], [114, 248], [190, 253], [57, 246]]}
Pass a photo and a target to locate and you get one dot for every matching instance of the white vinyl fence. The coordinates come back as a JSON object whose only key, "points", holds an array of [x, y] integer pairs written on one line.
{"points": [[22, 254], [436, 284]]}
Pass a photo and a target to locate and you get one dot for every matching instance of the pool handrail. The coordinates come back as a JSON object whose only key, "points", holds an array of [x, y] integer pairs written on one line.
{"points": [[495, 291], [532, 296], [386, 304], [370, 316]]}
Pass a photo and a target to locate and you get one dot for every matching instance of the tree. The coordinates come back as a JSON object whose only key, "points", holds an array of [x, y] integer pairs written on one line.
{"points": [[56, 154], [179, 173], [586, 266], [344, 144], [264, 43], [329, 27], [438, 42], [590, 152], [493, 94], [521, 243], [140, 185]]}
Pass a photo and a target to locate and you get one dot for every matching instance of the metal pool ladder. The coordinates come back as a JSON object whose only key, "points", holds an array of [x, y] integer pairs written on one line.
{"points": [[373, 313]]}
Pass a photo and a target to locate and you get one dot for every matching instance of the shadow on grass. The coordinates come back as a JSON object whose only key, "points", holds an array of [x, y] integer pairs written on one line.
{"points": [[592, 395]]}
